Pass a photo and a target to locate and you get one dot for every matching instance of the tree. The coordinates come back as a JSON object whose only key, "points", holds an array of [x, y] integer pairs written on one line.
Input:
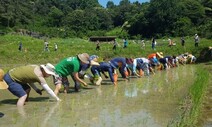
{"points": [[55, 17], [75, 21], [193, 10], [161, 16], [110, 4]]}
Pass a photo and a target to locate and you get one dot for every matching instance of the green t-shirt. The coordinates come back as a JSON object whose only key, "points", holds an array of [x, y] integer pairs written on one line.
{"points": [[67, 66]]}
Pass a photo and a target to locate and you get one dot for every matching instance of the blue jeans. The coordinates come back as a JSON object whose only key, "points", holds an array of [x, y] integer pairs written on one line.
{"points": [[15, 88]]}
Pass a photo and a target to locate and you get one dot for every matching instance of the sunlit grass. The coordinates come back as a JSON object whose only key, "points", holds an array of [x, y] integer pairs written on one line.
{"points": [[191, 106], [33, 49]]}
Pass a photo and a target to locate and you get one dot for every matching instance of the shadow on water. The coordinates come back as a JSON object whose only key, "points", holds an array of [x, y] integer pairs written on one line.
{"points": [[1, 114], [14, 101], [146, 101]]}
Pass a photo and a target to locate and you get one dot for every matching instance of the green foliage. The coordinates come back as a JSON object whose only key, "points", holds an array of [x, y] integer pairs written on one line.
{"points": [[119, 32], [55, 17], [206, 29], [79, 17], [183, 27], [193, 10]]}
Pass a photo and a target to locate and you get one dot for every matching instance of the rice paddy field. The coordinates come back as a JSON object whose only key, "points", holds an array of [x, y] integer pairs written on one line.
{"points": [[148, 101], [175, 97]]}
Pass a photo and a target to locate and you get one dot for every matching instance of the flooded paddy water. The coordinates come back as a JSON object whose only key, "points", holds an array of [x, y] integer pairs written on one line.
{"points": [[140, 102]]}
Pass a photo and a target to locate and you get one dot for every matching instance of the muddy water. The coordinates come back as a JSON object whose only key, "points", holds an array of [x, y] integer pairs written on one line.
{"points": [[148, 102]]}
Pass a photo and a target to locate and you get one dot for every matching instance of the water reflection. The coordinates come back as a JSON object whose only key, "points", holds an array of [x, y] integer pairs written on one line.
{"points": [[52, 110], [131, 90], [145, 88], [22, 111], [99, 90], [149, 101], [118, 117], [115, 90]]}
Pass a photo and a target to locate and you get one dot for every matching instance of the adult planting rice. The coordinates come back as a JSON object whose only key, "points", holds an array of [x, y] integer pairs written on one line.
{"points": [[154, 57], [142, 65], [20, 79], [167, 62], [70, 66], [120, 63], [93, 59], [102, 68]]}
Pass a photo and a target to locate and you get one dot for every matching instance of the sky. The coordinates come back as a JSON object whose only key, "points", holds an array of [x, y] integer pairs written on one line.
{"points": [[116, 2]]}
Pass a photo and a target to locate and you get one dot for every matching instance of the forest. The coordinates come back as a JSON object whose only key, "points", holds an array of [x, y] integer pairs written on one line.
{"points": [[85, 18]]}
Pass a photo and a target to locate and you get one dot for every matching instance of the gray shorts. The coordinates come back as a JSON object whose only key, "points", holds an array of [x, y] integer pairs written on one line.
{"points": [[61, 80]]}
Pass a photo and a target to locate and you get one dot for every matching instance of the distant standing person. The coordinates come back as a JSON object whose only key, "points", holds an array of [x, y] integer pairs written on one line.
{"points": [[153, 43], [115, 44], [20, 46], [182, 41], [97, 45], [170, 42], [46, 46], [125, 43], [142, 44], [55, 47], [196, 40]]}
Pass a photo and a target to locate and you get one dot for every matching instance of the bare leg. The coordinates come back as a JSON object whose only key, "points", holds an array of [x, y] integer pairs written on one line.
{"points": [[27, 91], [66, 89], [21, 100], [57, 88]]}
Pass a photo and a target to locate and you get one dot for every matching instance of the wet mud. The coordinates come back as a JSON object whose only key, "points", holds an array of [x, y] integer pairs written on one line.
{"points": [[147, 101]]}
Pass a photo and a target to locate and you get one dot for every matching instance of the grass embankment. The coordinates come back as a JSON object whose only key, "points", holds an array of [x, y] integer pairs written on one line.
{"points": [[33, 49], [193, 103]]}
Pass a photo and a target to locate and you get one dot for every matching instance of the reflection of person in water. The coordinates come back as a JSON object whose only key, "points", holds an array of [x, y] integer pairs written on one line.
{"points": [[99, 90], [49, 114], [145, 88], [21, 111], [131, 90]]}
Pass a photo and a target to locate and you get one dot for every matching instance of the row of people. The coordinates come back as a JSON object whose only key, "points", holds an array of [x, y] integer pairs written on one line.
{"points": [[20, 80], [135, 67]]}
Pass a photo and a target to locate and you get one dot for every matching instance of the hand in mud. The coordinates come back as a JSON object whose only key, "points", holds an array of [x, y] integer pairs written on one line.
{"points": [[106, 76], [85, 84], [59, 100], [115, 83], [39, 91]]}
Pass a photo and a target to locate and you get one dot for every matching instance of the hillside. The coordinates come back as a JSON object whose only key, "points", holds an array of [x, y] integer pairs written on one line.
{"points": [[33, 49]]}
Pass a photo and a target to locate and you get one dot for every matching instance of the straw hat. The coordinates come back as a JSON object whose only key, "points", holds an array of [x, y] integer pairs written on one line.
{"points": [[94, 58], [3, 84], [84, 57], [92, 62], [49, 68], [160, 54]]}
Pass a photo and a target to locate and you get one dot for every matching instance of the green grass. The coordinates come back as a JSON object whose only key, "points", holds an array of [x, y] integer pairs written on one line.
{"points": [[192, 104], [33, 49]]}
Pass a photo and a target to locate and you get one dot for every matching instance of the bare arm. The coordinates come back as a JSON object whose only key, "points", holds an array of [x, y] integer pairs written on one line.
{"points": [[78, 79]]}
